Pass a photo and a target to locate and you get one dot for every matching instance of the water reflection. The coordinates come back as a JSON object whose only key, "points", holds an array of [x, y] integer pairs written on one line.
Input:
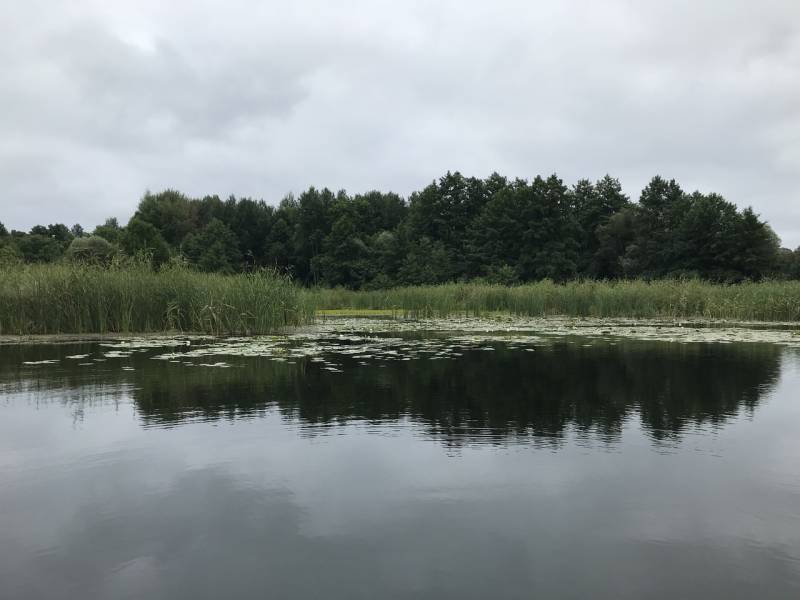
{"points": [[476, 396], [484, 474]]}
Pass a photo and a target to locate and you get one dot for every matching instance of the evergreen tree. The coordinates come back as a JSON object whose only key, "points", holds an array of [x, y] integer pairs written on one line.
{"points": [[311, 226], [495, 238], [456, 228], [704, 240], [663, 205], [550, 236], [594, 205]]}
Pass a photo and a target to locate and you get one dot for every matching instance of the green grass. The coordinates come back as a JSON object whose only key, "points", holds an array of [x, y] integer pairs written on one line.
{"points": [[69, 298], [766, 301]]}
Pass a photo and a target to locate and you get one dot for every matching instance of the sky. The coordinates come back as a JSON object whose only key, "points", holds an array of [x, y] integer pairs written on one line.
{"points": [[103, 100]]}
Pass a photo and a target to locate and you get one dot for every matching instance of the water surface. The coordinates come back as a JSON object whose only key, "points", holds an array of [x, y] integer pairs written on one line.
{"points": [[427, 466]]}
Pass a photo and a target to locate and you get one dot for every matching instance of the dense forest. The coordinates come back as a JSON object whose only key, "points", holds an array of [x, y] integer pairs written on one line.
{"points": [[455, 229]]}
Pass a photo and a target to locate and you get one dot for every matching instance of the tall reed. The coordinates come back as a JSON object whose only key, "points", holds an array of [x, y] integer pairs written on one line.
{"points": [[764, 301], [132, 298], [74, 298]]}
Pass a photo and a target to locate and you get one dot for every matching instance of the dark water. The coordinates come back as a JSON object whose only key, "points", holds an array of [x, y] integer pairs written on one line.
{"points": [[632, 470]]}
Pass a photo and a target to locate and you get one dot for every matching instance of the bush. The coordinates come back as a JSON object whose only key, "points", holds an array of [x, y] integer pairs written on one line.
{"points": [[92, 249]]}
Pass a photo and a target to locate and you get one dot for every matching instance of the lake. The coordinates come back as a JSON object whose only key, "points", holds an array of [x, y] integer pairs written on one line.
{"points": [[399, 464]]}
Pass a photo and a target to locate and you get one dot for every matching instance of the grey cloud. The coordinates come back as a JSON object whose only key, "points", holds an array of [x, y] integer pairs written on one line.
{"points": [[112, 93], [260, 99]]}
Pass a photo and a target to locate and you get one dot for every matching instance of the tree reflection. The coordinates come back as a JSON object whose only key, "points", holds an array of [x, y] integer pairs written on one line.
{"points": [[480, 396], [484, 396]]}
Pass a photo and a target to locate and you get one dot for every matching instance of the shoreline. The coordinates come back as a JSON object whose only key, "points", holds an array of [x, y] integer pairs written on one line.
{"points": [[378, 322]]}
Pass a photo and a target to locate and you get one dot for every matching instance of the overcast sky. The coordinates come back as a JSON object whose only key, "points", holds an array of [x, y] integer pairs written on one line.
{"points": [[102, 100]]}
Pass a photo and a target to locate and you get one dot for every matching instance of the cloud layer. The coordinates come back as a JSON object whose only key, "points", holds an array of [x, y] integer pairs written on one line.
{"points": [[103, 100]]}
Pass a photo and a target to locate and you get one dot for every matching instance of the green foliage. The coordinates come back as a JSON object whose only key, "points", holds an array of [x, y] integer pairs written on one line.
{"points": [[60, 233], [132, 297], [278, 245], [594, 205], [426, 262], [10, 254], [39, 248], [615, 241], [345, 256], [789, 263], [688, 298], [169, 212], [142, 239], [528, 226], [42, 244], [550, 240], [455, 229], [92, 249], [110, 231], [502, 275], [214, 248], [757, 246]]}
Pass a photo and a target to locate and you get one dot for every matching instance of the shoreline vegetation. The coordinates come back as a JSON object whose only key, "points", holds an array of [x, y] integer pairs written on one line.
{"points": [[498, 229], [134, 298], [52, 299], [766, 301], [526, 248]]}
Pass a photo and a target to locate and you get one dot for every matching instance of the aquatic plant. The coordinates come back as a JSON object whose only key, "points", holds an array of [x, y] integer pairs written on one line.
{"points": [[132, 297], [690, 298]]}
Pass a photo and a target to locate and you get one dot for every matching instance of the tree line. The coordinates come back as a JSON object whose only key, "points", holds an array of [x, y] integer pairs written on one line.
{"points": [[457, 228]]}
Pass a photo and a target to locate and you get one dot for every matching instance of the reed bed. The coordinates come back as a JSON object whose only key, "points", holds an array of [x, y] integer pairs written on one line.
{"points": [[74, 298], [763, 301], [133, 298]]}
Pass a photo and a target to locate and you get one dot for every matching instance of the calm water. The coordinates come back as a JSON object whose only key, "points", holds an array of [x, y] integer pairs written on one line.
{"points": [[422, 469]]}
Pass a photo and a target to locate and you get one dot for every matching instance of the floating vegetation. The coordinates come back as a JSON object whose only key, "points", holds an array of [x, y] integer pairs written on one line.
{"points": [[117, 354], [365, 341], [369, 341], [362, 348], [506, 327], [153, 341]]}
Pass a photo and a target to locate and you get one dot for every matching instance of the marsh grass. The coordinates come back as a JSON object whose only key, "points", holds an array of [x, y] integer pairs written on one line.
{"points": [[764, 301], [132, 298], [74, 298]]}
